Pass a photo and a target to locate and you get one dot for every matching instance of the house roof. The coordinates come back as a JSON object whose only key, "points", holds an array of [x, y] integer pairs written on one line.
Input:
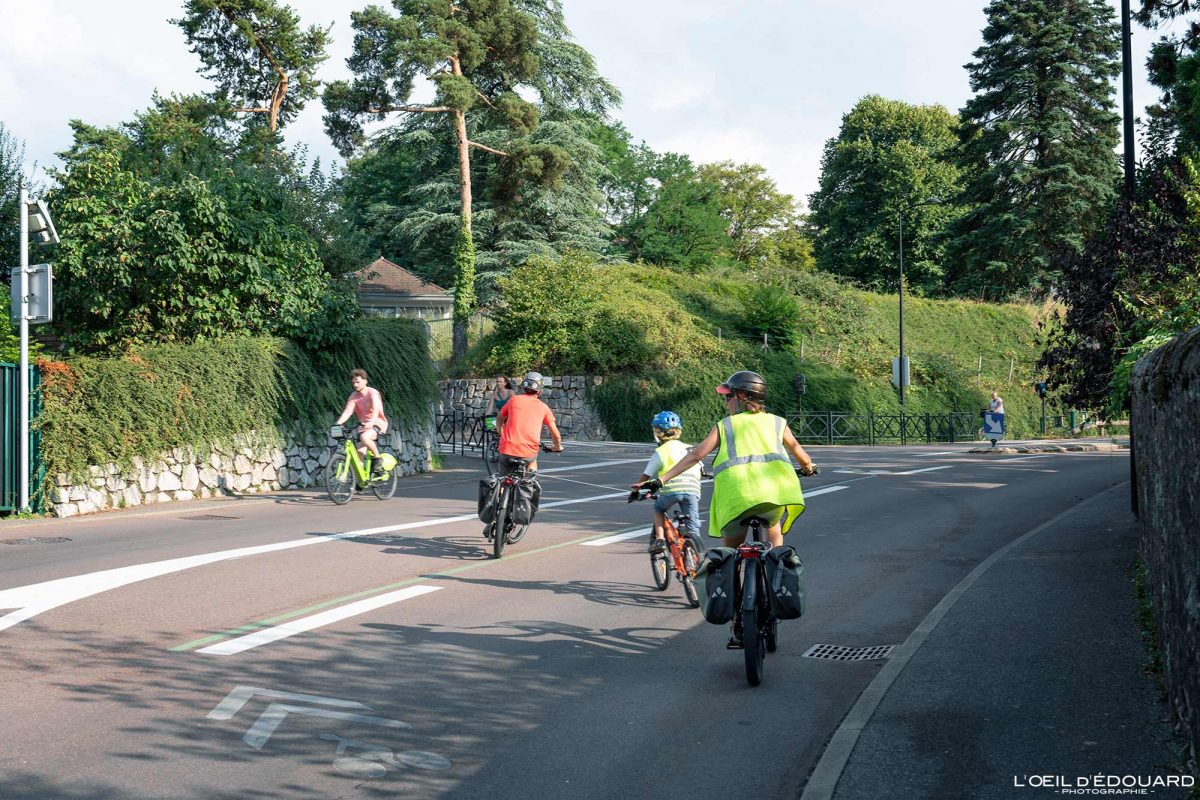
{"points": [[384, 277]]}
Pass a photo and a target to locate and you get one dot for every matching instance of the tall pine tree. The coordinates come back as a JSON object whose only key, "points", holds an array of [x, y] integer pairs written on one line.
{"points": [[1038, 143]]}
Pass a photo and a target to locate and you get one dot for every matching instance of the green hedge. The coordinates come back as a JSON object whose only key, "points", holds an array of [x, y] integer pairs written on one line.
{"points": [[99, 410]]}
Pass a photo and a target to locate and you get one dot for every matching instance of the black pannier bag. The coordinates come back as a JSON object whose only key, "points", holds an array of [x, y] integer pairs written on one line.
{"points": [[487, 494], [785, 582], [715, 584], [527, 493]]}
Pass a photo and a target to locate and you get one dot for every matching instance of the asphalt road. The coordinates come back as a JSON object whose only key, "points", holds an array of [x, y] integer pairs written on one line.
{"points": [[282, 647]]}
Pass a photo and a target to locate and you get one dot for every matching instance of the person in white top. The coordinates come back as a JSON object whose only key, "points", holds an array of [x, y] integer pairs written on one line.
{"points": [[997, 404], [683, 490]]}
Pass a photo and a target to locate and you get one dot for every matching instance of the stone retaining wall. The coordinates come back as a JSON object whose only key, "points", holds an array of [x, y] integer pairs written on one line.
{"points": [[566, 396], [242, 467], [1166, 453]]}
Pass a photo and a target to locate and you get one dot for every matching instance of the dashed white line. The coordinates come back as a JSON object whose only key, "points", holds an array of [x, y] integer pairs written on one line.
{"points": [[293, 627]]}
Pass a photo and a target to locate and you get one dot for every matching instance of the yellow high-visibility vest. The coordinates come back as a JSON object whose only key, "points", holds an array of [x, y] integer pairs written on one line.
{"points": [[670, 453], [752, 468]]}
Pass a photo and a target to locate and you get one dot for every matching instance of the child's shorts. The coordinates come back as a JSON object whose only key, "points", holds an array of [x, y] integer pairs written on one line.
{"points": [[689, 505]]}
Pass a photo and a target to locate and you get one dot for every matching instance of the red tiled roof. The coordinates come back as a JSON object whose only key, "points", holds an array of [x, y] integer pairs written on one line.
{"points": [[384, 277]]}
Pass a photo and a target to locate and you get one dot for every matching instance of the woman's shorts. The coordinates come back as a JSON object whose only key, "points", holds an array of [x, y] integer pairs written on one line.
{"points": [[768, 511], [378, 427]]}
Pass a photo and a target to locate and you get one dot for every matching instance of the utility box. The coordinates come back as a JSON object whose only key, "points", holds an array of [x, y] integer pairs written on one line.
{"points": [[896, 372], [41, 295]]}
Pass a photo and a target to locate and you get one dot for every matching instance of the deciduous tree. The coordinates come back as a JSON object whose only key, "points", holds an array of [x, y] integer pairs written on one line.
{"points": [[887, 157]]}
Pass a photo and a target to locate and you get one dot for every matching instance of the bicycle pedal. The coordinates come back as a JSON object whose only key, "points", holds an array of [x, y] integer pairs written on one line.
{"points": [[734, 645]]}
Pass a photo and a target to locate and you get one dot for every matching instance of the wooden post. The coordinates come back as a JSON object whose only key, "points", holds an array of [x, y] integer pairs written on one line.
{"points": [[1011, 362]]}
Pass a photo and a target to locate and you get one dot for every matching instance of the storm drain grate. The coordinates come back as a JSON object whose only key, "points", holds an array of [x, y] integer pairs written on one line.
{"points": [[208, 517], [37, 540], [837, 652]]}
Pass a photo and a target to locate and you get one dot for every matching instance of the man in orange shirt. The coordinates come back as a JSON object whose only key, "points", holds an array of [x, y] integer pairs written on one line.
{"points": [[520, 423]]}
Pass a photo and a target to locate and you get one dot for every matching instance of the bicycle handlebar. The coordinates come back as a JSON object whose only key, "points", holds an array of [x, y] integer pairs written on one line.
{"points": [[642, 494]]}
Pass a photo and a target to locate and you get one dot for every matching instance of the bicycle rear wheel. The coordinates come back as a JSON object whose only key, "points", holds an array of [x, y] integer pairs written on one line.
{"points": [[499, 535], [754, 645], [690, 562], [339, 479]]}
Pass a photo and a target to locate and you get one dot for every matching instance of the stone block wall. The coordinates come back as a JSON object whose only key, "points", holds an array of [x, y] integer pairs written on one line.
{"points": [[1165, 422], [245, 466], [566, 396]]}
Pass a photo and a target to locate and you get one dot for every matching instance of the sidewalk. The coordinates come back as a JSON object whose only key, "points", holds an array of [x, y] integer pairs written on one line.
{"points": [[1032, 682]]}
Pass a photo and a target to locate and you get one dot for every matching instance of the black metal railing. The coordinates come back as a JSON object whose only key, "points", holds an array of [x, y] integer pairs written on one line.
{"points": [[834, 427], [459, 433]]}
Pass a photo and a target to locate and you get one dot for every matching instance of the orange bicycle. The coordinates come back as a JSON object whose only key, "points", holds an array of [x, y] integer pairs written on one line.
{"points": [[681, 555]]}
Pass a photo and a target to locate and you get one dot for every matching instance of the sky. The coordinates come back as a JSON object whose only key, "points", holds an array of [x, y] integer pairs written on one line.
{"points": [[764, 81]]}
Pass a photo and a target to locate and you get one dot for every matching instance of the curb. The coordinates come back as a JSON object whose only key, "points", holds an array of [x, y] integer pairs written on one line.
{"points": [[1052, 448]]}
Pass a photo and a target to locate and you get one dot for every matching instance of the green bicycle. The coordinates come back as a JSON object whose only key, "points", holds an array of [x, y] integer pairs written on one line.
{"points": [[348, 471]]}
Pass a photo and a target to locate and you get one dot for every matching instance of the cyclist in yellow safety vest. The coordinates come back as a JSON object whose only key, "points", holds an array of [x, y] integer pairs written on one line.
{"points": [[683, 491], [753, 475]]}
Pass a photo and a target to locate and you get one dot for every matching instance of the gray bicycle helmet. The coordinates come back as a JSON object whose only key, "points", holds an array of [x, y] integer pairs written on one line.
{"points": [[748, 383], [532, 382]]}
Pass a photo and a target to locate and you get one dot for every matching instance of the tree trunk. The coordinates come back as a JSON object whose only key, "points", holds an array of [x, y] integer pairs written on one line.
{"points": [[464, 258]]}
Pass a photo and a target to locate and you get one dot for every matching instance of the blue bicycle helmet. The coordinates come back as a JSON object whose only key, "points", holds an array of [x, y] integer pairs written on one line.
{"points": [[666, 421]]}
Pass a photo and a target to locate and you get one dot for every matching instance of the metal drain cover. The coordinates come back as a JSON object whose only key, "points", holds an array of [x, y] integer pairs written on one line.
{"points": [[37, 540], [837, 652], [208, 517]]}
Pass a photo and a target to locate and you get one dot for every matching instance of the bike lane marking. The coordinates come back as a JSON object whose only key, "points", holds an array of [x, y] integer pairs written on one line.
{"points": [[240, 645], [37, 598], [433, 576], [641, 530], [247, 631]]}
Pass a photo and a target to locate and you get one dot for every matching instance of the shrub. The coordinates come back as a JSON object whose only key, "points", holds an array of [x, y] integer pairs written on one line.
{"points": [[100, 410]]}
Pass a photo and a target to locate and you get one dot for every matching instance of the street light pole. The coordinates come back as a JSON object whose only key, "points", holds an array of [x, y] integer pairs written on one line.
{"points": [[900, 368], [23, 366], [901, 372]]}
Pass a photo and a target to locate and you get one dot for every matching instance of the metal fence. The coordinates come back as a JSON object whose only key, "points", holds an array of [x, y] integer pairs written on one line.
{"points": [[459, 433], [10, 437], [833, 427]]}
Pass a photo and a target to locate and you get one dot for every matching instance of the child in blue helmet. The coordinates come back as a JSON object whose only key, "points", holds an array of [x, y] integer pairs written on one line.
{"points": [[684, 489]]}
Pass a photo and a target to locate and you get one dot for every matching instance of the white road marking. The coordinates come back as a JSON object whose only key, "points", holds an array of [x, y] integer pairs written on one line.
{"points": [[293, 627], [641, 530], [918, 471], [37, 598], [882, 472], [941, 453], [592, 466], [237, 699], [1022, 458], [29, 601]]}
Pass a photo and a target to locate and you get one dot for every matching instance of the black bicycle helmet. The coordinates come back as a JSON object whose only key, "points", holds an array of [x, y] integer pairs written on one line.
{"points": [[748, 383], [532, 382]]}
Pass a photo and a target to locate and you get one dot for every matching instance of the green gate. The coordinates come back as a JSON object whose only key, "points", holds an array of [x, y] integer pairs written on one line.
{"points": [[10, 436]]}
